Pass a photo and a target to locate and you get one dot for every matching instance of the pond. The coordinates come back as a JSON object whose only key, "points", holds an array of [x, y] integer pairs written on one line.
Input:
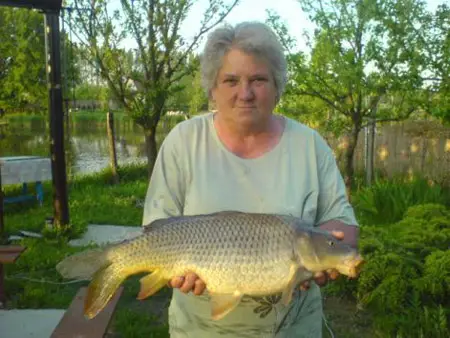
{"points": [[410, 147], [86, 142]]}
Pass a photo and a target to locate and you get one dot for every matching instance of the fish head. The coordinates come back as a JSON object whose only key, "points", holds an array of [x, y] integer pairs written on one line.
{"points": [[320, 251]]}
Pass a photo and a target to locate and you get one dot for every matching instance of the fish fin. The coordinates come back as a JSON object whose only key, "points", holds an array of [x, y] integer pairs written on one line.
{"points": [[101, 289], [151, 284], [82, 265], [286, 296], [300, 275], [223, 303]]}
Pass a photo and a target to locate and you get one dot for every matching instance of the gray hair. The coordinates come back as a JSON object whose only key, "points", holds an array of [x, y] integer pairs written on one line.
{"points": [[250, 37]]}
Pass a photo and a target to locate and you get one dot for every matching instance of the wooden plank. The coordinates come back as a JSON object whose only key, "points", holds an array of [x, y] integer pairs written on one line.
{"points": [[12, 248], [74, 325], [10, 253], [8, 257]]}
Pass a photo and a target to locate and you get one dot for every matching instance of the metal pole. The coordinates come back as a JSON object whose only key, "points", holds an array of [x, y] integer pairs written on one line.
{"points": [[53, 60]]}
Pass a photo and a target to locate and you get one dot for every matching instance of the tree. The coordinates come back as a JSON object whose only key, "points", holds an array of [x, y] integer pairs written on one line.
{"points": [[437, 87], [190, 97], [22, 58], [161, 54], [366, 62]]}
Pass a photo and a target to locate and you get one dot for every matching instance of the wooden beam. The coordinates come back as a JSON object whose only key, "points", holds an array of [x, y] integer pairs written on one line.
{"points": [[58, 162], [10, 253], [36, 4], [73, 324]]}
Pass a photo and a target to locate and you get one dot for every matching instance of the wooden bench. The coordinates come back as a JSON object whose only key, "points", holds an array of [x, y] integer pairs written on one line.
{"points": [[74, 324], [8, 255]]}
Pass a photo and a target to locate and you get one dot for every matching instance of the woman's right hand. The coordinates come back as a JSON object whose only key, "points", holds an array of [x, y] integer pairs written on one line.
{"points": [[187, 283]]}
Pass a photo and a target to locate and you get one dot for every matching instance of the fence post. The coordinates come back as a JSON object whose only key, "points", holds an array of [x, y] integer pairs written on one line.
{"points": [[112, 145]]}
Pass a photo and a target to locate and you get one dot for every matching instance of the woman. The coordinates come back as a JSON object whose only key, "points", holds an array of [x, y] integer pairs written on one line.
{"points": [[246, 158]]}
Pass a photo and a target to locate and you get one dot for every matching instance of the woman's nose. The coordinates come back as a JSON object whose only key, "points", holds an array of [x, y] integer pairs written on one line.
{"points": [[245, 91]]}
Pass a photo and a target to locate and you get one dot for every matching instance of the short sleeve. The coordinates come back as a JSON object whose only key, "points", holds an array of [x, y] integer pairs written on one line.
{"points": [[333, 203], [166, 190]]}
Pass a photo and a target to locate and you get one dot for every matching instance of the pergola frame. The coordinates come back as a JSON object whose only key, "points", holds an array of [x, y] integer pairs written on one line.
{"points": [[51, 10]]}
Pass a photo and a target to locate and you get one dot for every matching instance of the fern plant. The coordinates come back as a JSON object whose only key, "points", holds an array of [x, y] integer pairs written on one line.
{"points": [[408, 273]]}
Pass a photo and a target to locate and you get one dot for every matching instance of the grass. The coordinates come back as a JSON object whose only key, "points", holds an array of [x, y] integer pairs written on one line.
{"points": [[33, 282]]}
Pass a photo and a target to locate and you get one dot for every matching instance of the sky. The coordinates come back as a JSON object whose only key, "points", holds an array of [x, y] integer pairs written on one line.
{"points": [[288, 10], [247, 10]]}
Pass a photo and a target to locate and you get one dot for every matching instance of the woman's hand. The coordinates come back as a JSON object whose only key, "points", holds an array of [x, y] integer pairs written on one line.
{"points": [[187, 283]]}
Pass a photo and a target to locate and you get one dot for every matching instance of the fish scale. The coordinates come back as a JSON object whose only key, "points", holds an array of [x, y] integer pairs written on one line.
{"points": [[234, 253]]}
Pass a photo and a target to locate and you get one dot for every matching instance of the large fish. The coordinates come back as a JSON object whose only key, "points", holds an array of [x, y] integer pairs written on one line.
{"points": [[234, 253]]}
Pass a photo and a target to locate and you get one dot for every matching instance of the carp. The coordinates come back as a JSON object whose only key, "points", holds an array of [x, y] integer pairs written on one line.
{"points": [[234, 253]]}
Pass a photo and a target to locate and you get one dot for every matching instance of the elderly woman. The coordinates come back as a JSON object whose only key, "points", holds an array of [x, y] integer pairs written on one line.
{"points": [[244, 157]]}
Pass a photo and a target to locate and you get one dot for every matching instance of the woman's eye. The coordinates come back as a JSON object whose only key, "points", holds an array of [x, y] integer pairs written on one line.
{"points": [[260, 80]]}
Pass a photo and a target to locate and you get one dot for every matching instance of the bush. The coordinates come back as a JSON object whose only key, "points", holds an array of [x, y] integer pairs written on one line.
{"points": [[406, 280]]}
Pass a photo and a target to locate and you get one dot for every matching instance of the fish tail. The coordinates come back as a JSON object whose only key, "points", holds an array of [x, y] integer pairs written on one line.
{"points": [[101, 289], [83, 265]]}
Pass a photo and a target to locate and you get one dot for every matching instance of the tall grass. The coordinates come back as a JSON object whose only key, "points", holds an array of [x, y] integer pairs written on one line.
{"points": [[386, 201]]}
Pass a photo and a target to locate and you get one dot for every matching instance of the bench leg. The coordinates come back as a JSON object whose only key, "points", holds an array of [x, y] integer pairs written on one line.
{"points": [[39, 192]]}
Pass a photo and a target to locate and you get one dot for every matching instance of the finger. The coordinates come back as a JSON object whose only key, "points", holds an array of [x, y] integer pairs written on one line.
{"points": [[199, 287], [338, 234], [176, 282], [304, 286], [320, 278], [333, 274], [189, 282]]}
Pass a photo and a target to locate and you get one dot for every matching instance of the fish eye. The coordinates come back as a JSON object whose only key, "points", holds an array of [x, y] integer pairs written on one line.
{"points": [[330, 242]]}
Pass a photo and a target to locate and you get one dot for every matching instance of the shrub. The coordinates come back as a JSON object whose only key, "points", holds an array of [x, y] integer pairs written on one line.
{"points": [[406, 280]]}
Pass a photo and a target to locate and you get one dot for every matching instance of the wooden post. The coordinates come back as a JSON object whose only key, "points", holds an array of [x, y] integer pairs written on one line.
{"points": [[370, 148], [52, 49], [112, 145], [2, 224], [2, 233]]}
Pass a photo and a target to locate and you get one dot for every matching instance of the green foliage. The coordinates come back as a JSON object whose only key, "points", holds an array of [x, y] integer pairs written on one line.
{"points": [[22, 58], [386, 201], [437, 103], [87, 91], [407, 273], [365, 60]]}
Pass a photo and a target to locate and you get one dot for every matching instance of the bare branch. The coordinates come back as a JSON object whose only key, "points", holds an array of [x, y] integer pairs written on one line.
{"points": [[392, 119], [203, 31]]}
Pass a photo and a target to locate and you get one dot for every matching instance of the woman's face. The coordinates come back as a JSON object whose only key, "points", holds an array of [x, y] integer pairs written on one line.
{"points": [[245, 91]]}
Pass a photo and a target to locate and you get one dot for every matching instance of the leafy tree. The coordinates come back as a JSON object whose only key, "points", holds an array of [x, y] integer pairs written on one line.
{"points": [[437, 100], [191, 97], [366, 62], [198, 99], [160, 59], [22, 58]]}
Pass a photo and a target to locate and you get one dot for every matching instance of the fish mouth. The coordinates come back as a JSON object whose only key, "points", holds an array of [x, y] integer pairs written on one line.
{"points": [[352, 267]]}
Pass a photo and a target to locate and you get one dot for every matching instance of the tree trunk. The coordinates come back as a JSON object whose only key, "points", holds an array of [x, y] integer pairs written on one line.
{"points": [[348, 158], [151, 148]]}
